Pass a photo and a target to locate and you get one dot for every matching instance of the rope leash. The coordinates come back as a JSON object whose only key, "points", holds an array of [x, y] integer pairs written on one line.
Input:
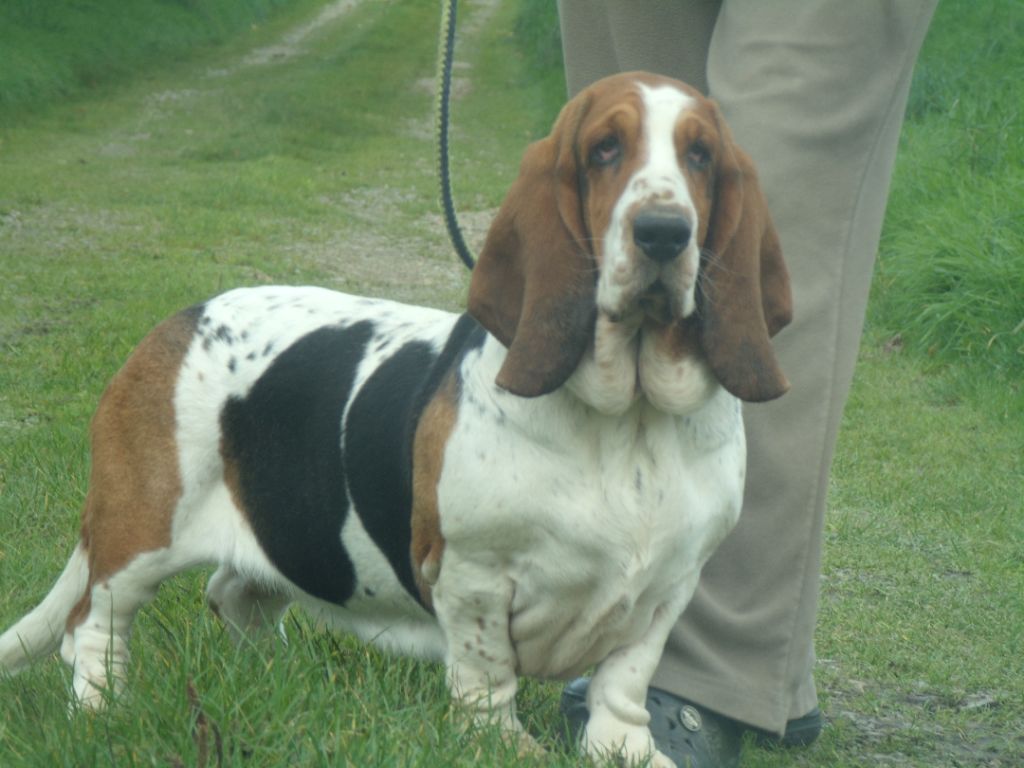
{"points": [[444, 93]]}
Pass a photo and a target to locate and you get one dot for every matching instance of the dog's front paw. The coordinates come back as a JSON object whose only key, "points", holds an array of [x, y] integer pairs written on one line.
{"points": [[524, 744], [658, 760], [620, 758], [512, 731], [616, 743]]}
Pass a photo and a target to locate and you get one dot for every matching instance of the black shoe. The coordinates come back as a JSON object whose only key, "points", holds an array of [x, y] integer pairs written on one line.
{"points": [[688, 734], [800, 732]]}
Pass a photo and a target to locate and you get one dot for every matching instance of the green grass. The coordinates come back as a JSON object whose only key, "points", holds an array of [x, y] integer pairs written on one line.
{"points": [[950, 277], [163, 188], [61, 48]]}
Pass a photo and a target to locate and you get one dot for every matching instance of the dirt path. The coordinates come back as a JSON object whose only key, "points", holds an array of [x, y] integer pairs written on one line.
{"points": [[178, 119], [291, 43]]}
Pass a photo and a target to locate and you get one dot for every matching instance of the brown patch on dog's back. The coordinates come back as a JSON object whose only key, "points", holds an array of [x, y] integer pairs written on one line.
{"points": [[432, 432], [135, 480]]}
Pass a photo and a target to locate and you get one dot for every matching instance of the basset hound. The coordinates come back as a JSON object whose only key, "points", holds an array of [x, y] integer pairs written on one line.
{"points": [[529, 488]]}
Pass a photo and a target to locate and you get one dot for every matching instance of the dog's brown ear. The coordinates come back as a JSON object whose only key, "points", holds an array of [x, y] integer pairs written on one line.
{"points": [[534, 284], [745, 295]]}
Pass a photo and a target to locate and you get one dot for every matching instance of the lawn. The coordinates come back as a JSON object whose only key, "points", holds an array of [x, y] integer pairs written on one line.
{"points": [[293, 152]]}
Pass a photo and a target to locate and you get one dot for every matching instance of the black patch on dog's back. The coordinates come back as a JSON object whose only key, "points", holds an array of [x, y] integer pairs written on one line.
{"points": [[378, 453], [284, 441], [297, 471], [379, 432]]}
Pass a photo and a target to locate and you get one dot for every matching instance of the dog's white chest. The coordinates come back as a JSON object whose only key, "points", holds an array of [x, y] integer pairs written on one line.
{"points": [[593, 528]]}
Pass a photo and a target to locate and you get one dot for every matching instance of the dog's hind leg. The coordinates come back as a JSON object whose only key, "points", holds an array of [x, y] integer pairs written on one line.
{"points": [[245, 605], [96, 641], [136, 506]]}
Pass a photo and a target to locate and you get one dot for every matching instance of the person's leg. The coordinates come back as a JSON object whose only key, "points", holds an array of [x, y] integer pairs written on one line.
{"points": [[605, 37], [815, 92]]}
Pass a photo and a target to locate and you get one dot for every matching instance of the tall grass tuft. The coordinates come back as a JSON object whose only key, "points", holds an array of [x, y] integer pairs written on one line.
{"points": [[537, 36], [951, 268]]}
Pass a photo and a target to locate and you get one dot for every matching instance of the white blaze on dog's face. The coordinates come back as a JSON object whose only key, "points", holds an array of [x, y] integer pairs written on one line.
{"points": [[650, 155]]}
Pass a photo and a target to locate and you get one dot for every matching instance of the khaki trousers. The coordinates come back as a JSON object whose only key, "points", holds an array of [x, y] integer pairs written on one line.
{"points": [[815, 91]]}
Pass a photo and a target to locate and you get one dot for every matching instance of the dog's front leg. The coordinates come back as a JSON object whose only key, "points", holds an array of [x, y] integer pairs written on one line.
{"points": [[472, 602], [617, 727]]}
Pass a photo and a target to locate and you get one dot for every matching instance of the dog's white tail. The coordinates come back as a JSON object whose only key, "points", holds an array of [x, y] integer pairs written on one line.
{"points": [[39, 632]]}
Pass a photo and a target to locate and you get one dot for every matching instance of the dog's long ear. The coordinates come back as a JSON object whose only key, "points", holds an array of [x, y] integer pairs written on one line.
{"points": [[745, 295], [534, 285]]}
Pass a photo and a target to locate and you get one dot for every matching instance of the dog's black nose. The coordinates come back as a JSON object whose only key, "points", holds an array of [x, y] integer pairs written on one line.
{"points": [[661, 235]]}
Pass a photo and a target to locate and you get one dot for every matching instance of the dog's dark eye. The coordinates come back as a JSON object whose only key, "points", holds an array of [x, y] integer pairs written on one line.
{"points": [[698, 157], [606, 151]]}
